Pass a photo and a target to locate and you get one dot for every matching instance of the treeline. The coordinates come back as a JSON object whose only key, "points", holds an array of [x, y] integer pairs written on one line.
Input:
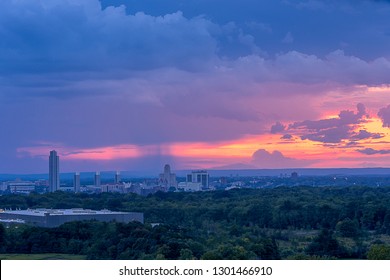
{"points": [[235, 224], [101, 240]]}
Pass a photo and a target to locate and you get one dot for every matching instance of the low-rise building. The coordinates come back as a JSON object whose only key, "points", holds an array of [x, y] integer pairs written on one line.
{"points": [[57, 217], [190, 186], [18, 186]]}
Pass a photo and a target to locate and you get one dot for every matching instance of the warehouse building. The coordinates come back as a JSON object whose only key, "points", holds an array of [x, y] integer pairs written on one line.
{"points": [[57, 217]]}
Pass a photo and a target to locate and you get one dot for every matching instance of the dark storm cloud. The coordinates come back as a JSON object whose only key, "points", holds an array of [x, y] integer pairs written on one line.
{"points": [[67, 35], [62, 36], [333, 24], [82, 74], [67, 48]]}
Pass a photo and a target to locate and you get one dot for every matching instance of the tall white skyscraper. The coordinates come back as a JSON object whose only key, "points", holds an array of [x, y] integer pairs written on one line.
{"points": [[97, 180], [117, 177], [76, 182], [54, 171]]}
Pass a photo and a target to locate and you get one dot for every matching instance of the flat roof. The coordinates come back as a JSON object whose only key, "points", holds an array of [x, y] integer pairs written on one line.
{"points": [[18, 221], [61, 212]]}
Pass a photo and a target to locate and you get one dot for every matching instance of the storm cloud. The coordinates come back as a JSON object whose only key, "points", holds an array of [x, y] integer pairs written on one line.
{"points": [[91, 74]]}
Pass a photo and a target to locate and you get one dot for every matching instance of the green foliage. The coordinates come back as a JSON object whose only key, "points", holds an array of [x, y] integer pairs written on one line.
{"points": [[3, 244], [236, 224], [228, 252], [326, 245], [266, 249], [186, 254], [379, 252], [348, 228]]}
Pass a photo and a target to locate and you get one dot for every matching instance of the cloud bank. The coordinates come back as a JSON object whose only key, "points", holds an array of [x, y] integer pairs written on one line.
{"points": [[91, 74]]}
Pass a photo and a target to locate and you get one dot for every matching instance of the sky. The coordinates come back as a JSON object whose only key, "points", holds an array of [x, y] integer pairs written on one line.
{"points": [[136, 84]]}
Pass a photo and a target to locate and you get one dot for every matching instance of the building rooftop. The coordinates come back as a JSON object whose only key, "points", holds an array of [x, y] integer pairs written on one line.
{"points": [[59, 212], [17, 221]]}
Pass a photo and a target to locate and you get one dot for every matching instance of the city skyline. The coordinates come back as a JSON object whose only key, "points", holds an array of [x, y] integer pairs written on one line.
{"points": [[130, 85]]}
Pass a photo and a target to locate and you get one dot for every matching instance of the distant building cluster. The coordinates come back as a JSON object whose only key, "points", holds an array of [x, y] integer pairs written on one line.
{"points": [[57, 217], [167, 181]]}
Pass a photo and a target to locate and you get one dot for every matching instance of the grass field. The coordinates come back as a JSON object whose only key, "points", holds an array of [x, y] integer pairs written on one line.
{"points": [[41, 257]]}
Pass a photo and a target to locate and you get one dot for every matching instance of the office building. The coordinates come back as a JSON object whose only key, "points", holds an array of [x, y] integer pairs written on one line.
{"points": [[117, 177], [200, 176], [97, 180], [76, 182], [54, 171], [168, 179]]}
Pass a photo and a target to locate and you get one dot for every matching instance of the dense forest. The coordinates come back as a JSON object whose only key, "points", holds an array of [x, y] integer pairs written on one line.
{"points": [[277, 223]]}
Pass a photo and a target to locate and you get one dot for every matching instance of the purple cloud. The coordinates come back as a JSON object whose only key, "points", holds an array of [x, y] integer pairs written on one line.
{"points": [[287, 137], [364, 134], [384, 114], [336, 66], [336, 130], [370, 151], [345, 118], [277, 128]]}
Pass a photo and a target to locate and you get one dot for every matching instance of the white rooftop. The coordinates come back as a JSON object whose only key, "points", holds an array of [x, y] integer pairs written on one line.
{"points": [[73, 211]]}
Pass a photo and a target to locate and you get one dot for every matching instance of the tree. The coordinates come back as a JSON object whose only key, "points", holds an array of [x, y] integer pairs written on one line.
{"points": [[379, 252], [325, 245], [266, 249], [186, 254], [348, 228], [3, 244]]}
